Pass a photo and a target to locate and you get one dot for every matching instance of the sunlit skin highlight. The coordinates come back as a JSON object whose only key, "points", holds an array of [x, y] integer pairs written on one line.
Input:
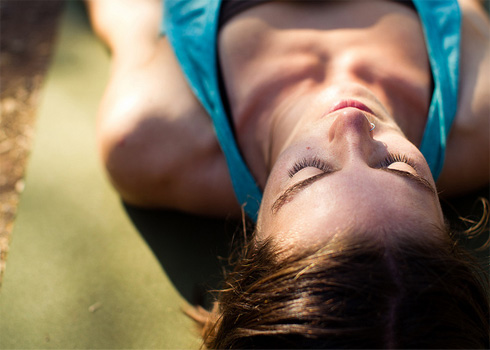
{"points": [[356, 188], [317, 101]]}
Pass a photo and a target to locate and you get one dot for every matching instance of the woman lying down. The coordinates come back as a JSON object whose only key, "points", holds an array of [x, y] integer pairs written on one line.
{"points": [[336, 126]]}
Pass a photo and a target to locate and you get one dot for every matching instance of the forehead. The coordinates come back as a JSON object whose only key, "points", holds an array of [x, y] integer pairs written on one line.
{"points": [[366, 203]]}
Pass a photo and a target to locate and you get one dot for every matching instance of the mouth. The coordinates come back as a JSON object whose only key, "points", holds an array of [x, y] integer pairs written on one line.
{"points": [[350, 104]]}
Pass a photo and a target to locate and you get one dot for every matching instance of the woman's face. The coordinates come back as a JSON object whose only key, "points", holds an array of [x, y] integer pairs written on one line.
{"points": [[333, 172]]}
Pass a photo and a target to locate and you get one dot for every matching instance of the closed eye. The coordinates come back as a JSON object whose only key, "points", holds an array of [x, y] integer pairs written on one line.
{"points": [[326, 170], [292, 191], [396, 158], [313, 162], [318, 163]]}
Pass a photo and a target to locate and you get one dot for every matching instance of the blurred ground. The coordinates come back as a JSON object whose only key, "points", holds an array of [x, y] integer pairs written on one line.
{"points": [[79, 274], [27, 36]]}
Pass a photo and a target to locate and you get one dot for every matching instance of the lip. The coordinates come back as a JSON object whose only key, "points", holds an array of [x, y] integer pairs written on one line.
{"points": [[350, 104]]}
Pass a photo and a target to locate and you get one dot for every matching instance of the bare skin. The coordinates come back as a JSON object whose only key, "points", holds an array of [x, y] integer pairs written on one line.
{"points": [[155, 139], [148, 108]]}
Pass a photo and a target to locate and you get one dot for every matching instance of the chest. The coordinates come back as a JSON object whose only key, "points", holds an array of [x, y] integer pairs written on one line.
{"points": [[271, 49]]}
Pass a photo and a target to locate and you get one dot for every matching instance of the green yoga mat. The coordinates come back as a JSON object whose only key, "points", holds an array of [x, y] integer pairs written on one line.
{"points": [[80, 274], [83, 270]]}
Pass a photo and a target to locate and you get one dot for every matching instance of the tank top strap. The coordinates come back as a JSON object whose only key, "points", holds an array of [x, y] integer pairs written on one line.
{"points": [[441, 22]]}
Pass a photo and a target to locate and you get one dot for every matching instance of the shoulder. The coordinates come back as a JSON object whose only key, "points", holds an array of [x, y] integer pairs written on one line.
{"points": [[157, 141], [468, 150]]}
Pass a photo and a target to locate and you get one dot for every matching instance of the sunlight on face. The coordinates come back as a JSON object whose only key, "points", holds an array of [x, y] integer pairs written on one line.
{"points": [[363, 199], [337, 174]]}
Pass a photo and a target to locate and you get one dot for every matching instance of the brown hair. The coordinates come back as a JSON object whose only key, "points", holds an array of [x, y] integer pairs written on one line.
{"points": [[353, 293]]}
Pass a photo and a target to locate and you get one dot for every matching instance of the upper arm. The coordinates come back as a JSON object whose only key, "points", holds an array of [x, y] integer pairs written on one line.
{"points": [[154, 137], [122, 23], [467, 164], [157, 141]]}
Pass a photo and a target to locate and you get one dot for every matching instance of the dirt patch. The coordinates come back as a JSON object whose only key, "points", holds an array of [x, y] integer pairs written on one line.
{"points": [[28, 32]]}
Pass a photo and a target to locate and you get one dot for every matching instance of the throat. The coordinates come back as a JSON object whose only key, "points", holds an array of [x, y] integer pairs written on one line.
{"points": [[276, 57]]}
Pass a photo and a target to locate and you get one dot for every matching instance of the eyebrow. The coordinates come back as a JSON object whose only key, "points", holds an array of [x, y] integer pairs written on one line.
{"points": [[289, 194]]}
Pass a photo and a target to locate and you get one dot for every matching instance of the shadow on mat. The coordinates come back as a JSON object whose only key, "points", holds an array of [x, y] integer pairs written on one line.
{"points": [[192, 250]]}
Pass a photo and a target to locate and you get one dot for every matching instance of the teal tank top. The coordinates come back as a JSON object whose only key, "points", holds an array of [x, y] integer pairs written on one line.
{"points": [[191, 27]]}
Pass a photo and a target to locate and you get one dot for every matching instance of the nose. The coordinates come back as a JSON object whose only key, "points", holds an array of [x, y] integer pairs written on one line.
{"points": [[351, 131], [350, 121]]}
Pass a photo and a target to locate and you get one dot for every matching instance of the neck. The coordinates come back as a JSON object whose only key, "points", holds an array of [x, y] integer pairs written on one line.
{"points": [[276, 80]]}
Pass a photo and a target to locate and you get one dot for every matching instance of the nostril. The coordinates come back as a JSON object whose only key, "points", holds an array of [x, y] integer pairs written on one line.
{"points": [[352, 119], [351, 123]]}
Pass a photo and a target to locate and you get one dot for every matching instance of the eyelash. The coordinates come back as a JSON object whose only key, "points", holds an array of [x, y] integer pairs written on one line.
{"points": [[308, 162], [320, 164], [397, 158]]}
